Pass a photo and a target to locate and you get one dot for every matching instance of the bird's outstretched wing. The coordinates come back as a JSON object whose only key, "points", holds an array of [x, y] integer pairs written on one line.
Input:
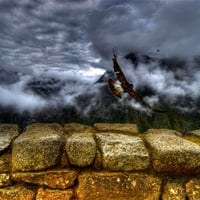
{"points": [[119, 73], [138, 98]]}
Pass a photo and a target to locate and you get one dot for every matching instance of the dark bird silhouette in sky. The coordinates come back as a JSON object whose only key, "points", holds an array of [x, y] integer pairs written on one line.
{"points": [[123, 86]]}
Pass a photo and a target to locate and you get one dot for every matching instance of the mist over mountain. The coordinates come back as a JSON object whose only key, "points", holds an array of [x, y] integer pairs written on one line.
{"points": [[67, 99], [55, 59]]}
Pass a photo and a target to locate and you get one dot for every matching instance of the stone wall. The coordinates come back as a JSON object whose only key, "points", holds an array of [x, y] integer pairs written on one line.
{"points": [[103, 162]]}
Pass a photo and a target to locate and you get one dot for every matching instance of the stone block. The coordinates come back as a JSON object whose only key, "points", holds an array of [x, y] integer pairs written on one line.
{"points": [[195, 133], [17, 192], [71, 128], [5, 163], [193, 189], [122, 152], [55, 179], [125, 128], [39, 147], [47, 194], [174, 190], [172, 154], [7, 133], [81, 149], [118, 186], [5, 180]]}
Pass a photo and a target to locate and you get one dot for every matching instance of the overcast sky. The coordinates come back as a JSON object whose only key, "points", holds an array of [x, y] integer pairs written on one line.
{"points": [[73, 38], [77, 34]]}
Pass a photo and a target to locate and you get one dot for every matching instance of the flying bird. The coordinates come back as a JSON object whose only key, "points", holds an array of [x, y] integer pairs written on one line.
{"points": [[123, 86]]}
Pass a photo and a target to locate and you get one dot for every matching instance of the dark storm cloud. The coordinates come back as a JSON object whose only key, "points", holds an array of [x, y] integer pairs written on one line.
{"points": [[145, 26], [51, 33], [121, 25], [61, 33]]}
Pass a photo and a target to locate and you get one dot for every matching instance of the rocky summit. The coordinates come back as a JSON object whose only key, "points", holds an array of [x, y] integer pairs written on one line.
{"points": [[105, 161]]}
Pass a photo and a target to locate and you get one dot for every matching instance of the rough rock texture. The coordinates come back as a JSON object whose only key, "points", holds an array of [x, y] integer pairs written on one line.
{"points": [[174, 190], [159, 164], [47, 194], [78, 128], [195, 133], [120, 186], [17, 192], [55, 179], [193, 138], [117, 127], [193, 189], [5, 180], [7, 133], [173, 154], [81, 149], [122, 152], [162, 130], [4, 163], [38, 147]]}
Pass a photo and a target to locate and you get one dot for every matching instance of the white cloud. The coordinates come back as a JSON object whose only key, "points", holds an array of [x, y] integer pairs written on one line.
{"points": [[14, 96]]}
